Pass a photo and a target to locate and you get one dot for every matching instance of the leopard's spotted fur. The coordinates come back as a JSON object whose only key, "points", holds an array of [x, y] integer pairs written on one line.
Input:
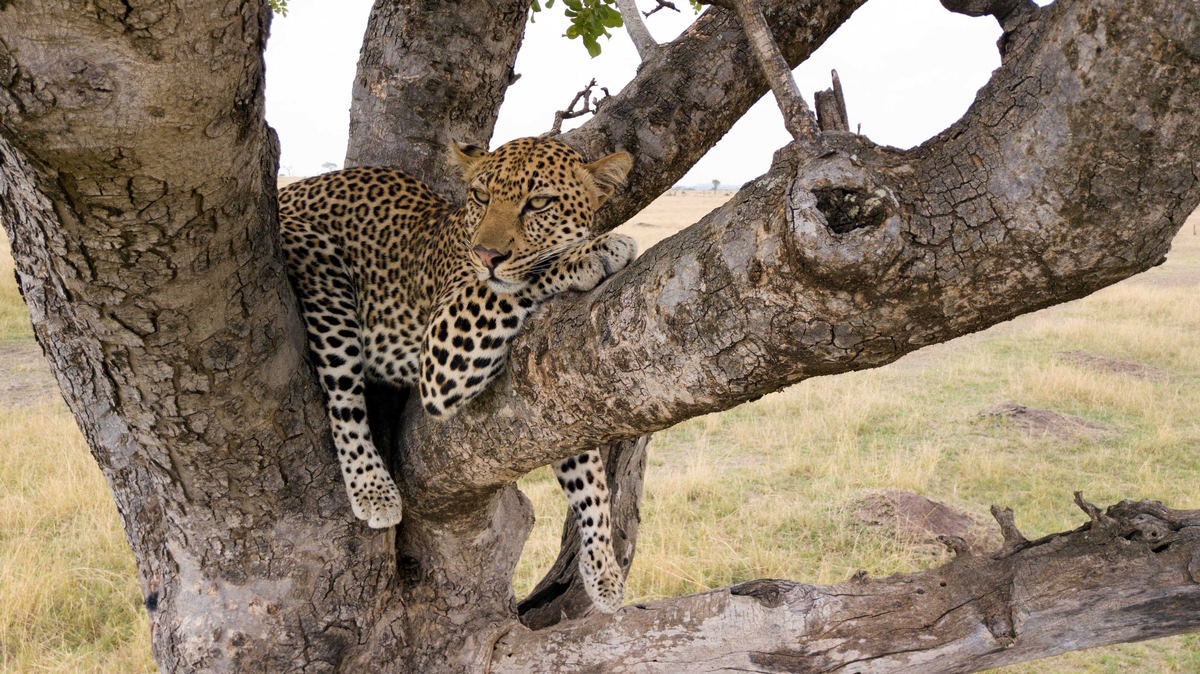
{"points": [[396, 286]]}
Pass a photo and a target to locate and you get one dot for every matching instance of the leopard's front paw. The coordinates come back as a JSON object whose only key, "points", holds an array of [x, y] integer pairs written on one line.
{"points": [[615, 252], [606, 256], [374, 498]]}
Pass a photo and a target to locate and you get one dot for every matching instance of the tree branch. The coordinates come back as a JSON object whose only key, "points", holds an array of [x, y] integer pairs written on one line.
{"points": [[688, 95], [797, 117], [1136, 578], [642, 39], [846, 256]]}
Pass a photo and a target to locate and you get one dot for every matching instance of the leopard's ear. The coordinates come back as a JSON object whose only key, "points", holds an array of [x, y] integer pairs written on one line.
{"points": [[610, 172], [466, 157]]}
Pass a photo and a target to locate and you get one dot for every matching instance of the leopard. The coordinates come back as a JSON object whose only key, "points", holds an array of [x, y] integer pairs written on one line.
{"points": [[399, 286]]}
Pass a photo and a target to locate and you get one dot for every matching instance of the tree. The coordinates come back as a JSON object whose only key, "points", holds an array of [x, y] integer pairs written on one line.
{"points": [[716, 183], [329, 166], [142, 217]]}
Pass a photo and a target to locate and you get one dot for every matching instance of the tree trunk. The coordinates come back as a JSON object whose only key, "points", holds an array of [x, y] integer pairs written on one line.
{"points": [[142, 221], [431, 73]]}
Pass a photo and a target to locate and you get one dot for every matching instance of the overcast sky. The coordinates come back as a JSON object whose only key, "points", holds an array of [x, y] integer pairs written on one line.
{"points": [[909, 68]]}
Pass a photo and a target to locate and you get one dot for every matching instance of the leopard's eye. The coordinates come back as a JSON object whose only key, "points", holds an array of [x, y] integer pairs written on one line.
{"points": [[538, 203], [479, 195]]}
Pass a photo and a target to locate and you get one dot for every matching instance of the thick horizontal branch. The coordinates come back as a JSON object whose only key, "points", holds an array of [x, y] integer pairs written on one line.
{"points": [[1129, 575], [847, 256]]}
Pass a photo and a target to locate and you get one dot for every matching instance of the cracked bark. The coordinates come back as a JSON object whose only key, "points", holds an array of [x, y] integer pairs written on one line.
{"points": [[143, 230]]}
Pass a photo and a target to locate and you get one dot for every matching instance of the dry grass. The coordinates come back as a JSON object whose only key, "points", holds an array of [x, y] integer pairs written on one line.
{"points": [[766, 489], [69, 597], [669, 214], [14, 319]]}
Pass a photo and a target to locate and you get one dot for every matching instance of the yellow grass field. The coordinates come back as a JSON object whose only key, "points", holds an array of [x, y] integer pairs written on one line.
{"points": [[765, 490]]}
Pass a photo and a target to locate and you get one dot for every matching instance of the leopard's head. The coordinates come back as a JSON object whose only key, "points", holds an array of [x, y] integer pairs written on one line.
{"points": [[528, 202]]}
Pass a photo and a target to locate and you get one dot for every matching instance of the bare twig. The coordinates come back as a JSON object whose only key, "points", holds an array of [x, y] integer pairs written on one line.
{"points": [[642, 39], [590, 105], [797, 117], [662, 4]]}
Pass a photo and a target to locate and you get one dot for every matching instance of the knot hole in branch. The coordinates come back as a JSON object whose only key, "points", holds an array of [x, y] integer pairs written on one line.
{"points": [[849, 208]]}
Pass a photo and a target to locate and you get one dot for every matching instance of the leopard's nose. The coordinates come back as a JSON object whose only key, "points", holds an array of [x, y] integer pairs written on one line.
{"points": [[490, 257]]}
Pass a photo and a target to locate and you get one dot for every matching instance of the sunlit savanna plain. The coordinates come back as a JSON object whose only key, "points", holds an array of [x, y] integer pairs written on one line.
{"points": [[768, 489]]}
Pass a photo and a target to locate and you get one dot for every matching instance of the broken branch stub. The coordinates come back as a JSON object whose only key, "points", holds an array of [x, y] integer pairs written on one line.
{"points": [[831, 107]]}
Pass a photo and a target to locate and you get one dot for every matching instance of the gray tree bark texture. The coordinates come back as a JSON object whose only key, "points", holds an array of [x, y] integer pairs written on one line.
{"points": [[142, 219], [430, 73]]}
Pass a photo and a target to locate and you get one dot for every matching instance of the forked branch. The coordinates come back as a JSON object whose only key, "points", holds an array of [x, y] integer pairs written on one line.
{"points": [[590, 105], [848, 255]]}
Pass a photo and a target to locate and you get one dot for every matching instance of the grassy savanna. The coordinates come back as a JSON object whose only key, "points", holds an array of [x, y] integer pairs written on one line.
{"points": [[768, 489]]}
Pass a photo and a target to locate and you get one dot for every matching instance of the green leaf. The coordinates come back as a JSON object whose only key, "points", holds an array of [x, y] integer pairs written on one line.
{"points": [[611, 18], [593, 47]]}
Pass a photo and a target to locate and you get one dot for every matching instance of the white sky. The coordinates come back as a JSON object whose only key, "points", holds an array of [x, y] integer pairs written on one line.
{"points": [[909, 68]]}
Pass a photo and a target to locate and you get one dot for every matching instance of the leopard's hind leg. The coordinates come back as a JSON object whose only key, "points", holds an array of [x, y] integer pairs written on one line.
{"points": [[582, 480], [335, 339]]}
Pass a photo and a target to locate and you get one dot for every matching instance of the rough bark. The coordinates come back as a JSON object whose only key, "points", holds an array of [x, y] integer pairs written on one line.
{"points": [[141, 215], [831, 107], [1042, 193], [1131, 574], [144, 237], [430, 73]]}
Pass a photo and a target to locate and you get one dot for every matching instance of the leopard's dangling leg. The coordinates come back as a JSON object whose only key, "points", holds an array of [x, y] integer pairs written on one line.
{"points": [[335, 341], [582, 480]]}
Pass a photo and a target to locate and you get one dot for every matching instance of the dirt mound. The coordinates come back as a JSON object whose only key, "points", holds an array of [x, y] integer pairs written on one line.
{"points": [[1102, 363], [1042, 423], [918, 521]]}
